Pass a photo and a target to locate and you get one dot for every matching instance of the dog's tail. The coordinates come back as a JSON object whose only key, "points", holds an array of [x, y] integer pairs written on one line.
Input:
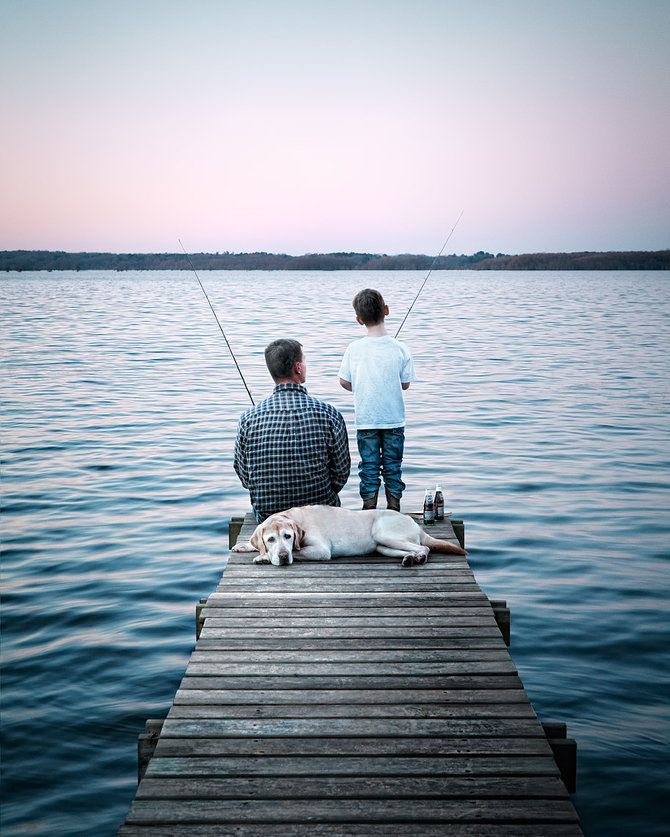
{"points": [[436, 545]]}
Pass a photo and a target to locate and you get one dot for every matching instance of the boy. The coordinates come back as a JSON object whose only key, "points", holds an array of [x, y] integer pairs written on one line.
{"points": [[377, 368]]}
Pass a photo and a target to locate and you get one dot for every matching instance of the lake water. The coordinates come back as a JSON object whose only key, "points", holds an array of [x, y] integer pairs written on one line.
{"points": [[542, 408]]}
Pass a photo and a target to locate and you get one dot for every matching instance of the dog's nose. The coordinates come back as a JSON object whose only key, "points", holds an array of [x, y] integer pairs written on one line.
{"points": [[283, 558]]}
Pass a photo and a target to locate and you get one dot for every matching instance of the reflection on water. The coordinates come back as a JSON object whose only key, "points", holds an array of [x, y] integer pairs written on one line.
{"points": [[541, 407]]}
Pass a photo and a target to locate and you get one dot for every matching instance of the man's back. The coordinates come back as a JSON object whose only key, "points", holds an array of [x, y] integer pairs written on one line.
{"points": [[292, 450]]}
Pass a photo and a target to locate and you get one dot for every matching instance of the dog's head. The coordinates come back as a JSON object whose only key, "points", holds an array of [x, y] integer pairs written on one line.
{"points": [[276, 538]]}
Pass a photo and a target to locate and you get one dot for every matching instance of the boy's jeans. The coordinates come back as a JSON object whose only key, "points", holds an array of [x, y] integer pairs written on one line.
{"points": [[381, 452]]}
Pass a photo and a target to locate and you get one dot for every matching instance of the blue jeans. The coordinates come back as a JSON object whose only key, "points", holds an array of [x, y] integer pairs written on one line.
{"points": [[381, 453]]}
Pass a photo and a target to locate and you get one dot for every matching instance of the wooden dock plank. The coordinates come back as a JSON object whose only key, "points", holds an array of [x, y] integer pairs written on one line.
{"points": [[401, 633], [348, 668], [431, 766], [366, 560], [218, 638], [353, 710], [275, 617], [359, 829], [292, 582], [428, 746], [334, 697], [362, 597], [454, 681], [332, 655], [236, 786], [316, 691], [352, 728], [391, 811]]}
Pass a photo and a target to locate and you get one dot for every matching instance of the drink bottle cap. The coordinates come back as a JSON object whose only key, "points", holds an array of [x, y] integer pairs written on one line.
{"points": [[438, 487]]}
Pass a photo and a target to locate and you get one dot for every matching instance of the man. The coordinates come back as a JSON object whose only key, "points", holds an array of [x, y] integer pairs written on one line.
{"points": [[291, 449]]}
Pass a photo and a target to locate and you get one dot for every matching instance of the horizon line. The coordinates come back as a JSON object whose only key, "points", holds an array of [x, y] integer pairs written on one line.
{"points": [[316, 253]]}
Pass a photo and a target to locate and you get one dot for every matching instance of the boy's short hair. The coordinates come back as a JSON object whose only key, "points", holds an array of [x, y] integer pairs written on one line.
{"points": [[280, 357], [369, 306]]}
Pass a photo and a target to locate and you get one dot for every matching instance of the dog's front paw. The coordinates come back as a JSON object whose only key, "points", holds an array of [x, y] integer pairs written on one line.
{"points": [[245, 546], [262, 559]]}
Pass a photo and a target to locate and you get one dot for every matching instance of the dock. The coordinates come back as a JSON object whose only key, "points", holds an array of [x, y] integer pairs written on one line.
{"points": [[352, 697]]}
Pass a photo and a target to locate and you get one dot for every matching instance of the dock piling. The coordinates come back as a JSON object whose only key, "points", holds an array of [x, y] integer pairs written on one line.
{"points": [[146, 745], [565, 753], [503, 619], [234, 527]]}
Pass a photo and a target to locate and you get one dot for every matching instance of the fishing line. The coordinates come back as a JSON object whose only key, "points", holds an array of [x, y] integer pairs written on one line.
{"points": [[232, 354], [430, 271]]}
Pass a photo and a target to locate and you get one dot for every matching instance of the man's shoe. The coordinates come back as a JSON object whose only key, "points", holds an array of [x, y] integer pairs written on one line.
{"points": [[370, 502], [392, 503]]}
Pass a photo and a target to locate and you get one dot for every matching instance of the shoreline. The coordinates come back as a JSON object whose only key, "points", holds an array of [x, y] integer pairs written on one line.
{"points": [[53, 260]]}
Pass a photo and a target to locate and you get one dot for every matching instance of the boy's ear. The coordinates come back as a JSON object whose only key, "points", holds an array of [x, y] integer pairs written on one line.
{"points": [[386, 310], [360, 321]]}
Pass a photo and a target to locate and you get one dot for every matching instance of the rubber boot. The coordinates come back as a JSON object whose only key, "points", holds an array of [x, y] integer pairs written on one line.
{"points": [[370, 502], [392, 503]]}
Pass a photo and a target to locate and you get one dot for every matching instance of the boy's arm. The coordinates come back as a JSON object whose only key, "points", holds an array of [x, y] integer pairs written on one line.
{"points": [[407, 372], [345, 372]]}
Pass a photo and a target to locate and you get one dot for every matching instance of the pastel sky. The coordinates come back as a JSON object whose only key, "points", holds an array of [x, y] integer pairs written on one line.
{"points": [[301, 126]]}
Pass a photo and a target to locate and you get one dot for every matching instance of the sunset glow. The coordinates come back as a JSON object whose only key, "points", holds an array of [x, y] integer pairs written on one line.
{"points": [[323, 126]]}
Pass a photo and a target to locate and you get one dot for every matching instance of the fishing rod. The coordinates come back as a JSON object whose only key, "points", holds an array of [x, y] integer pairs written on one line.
{"points": [[232, 354], [430, 271]]}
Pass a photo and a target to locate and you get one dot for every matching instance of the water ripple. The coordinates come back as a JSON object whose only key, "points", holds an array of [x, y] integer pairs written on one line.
{"points": [[546, 423]]}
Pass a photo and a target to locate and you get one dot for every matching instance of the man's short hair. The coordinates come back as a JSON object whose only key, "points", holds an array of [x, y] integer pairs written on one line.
{"points": [[280, 356], [369, 306]]}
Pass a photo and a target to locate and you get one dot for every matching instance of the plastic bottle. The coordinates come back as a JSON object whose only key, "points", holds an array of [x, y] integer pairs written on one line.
{"points": [[439, 503], [428, 507]]}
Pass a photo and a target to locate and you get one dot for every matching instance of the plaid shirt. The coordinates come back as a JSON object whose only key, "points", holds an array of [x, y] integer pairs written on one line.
{"points": [[292, 450]]}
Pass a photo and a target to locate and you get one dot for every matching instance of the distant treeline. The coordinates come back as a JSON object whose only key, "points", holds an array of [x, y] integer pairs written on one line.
{"points": [[60, 260]]}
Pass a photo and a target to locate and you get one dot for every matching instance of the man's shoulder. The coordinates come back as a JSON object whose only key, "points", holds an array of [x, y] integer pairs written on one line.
{"points": [[262, 407], [277, 402]]}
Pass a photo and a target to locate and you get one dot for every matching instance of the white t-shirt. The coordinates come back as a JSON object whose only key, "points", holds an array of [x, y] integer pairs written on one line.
{"points": [[376, 367]]}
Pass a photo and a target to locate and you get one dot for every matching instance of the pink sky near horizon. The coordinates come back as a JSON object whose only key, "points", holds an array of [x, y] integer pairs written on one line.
{"points": [[321, 126]]}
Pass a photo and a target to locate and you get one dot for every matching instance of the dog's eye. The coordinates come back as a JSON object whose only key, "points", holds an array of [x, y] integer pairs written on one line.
{"points": [[270, 539], [287, 536]]}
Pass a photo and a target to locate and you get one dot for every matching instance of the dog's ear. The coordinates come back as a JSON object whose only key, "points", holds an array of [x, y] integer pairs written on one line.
{"points": [[256, 540], [299, 535]]}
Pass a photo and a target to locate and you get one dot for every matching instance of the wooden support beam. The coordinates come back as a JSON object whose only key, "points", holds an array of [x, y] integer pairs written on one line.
{"points": [[503, 618], [199, 621], [555, 730], [146, 744], [565, 753], [459, 530], [234, 526]]}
